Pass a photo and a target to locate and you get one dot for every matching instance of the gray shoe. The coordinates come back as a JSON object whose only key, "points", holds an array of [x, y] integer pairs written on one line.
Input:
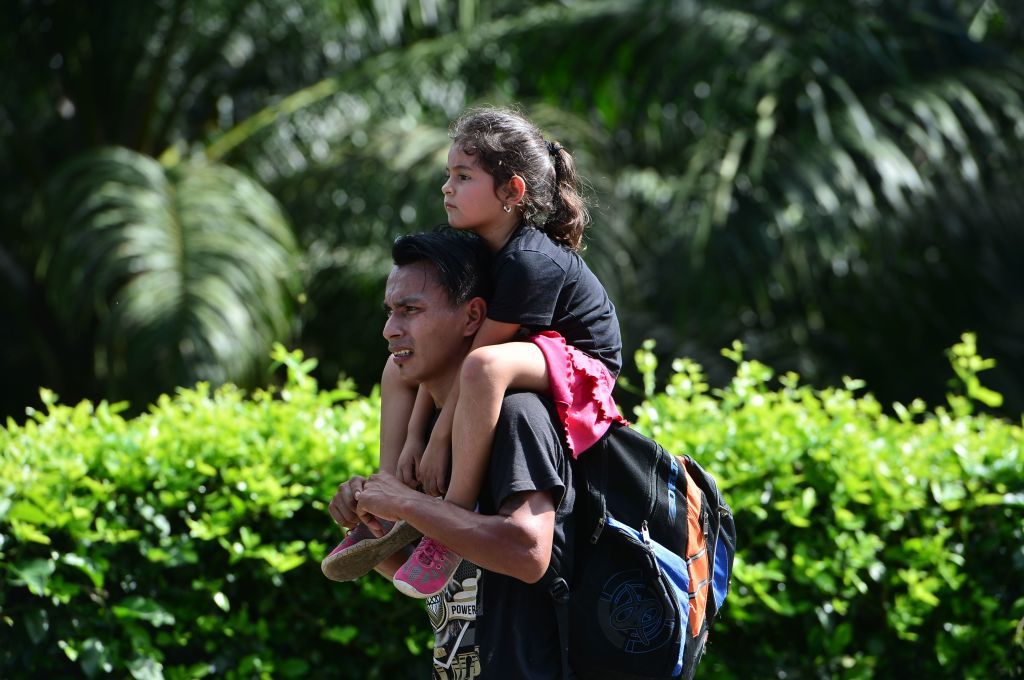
{"points": [[361, 551]]}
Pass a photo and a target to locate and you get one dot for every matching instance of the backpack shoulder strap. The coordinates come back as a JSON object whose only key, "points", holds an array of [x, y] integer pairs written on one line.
{"points": [[558, 589], [589, 519]]}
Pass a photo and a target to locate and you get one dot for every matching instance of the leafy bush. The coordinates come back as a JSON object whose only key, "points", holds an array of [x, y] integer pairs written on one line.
{"points": [[186, 542], [869, 545]]}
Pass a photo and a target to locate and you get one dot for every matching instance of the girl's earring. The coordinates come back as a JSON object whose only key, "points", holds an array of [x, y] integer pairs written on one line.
{"points": [[506, 207]]}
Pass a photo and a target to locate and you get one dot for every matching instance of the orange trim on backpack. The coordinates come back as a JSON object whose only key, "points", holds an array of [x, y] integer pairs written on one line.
{"points": [[697, 563]]}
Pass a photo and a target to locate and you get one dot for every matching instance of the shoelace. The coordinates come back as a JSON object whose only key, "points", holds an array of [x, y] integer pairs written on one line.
{"points": [[431, 554]]}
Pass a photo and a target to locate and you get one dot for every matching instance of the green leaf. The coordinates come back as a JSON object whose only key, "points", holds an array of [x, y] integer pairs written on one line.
{"points": [[294, 668], [146, 668], [35, 574], [221, 600], [91, 569], [37, 624], [28, 512], [143, 609], [94, 658], [29, 532], [341, 634]]}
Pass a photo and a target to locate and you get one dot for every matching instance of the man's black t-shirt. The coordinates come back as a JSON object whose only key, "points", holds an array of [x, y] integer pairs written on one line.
{"points": [[542, 285], [514, 634], [516, 629]]}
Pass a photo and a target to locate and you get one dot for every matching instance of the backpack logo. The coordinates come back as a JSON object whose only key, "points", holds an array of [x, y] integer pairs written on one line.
{"points": [[631, 617]]}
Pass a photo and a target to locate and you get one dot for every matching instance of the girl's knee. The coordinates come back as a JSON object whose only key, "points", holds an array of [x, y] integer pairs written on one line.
{"points": [[484, 366]]}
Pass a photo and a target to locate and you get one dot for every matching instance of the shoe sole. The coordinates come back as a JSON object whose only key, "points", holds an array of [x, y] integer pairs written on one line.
{"points": [[365, 555]]}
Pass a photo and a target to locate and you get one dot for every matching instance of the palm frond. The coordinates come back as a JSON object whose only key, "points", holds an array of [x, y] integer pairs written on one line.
{"points": [[190, 273]]}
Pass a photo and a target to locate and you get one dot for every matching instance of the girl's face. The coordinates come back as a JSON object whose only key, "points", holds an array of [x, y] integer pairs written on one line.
{"points": [[469, 195]]}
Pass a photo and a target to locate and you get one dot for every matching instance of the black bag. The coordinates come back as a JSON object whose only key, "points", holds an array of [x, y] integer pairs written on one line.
{"points": [[651, 564]]}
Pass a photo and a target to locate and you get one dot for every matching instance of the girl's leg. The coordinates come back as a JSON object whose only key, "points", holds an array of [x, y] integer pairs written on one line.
{"points": [[396, 403], [487, 373]]}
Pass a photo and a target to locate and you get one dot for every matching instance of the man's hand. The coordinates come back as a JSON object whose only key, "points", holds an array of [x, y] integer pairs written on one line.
{"points": [[343, 505], [409, 462], [434, 466], [381, 496]]}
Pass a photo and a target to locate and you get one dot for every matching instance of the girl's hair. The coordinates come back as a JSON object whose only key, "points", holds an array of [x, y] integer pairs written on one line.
{"points": [[505, 144]]}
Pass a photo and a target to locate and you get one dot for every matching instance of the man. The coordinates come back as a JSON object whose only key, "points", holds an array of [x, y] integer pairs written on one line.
{"points": [[435, 307]]}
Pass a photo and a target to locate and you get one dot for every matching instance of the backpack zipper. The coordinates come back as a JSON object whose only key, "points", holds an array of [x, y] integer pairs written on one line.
{"points": [[645, 534]]}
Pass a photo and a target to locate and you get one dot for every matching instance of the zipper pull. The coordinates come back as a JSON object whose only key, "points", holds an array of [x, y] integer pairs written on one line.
{"points": [[645, 534]]}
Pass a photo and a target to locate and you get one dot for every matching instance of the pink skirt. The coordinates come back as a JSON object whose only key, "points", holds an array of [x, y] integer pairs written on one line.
{"points": [[582, 389]]}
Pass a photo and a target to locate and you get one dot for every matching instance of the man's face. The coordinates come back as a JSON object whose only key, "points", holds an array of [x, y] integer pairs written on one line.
{"points": [[426, 334]]}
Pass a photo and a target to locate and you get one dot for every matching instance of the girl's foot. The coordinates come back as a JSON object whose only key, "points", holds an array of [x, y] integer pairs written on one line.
{"points": [[361, 551], [428, 569]]}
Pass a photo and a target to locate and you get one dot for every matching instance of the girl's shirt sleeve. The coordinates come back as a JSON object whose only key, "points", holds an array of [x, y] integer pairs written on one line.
{"points": [[527, 284]]}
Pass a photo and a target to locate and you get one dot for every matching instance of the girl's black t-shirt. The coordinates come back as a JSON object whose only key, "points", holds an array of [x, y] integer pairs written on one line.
{"points": [[542, 285]]}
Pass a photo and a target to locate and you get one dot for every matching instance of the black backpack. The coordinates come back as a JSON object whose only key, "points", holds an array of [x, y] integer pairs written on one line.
{"points": [[651, 562]]}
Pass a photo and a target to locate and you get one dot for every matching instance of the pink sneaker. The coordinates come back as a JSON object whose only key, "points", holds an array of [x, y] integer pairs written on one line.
{"points": [[428, 569], [359, 533], [361, 551]]}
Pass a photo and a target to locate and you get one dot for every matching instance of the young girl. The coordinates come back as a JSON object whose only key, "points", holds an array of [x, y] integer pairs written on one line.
{"points": [[550, 328]]}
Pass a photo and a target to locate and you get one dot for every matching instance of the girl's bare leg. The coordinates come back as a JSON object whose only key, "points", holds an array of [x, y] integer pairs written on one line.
{"points": [[396, 403], [487, 373]]}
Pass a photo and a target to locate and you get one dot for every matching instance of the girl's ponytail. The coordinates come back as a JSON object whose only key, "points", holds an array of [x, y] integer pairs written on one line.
{"points": [[569, 216]]}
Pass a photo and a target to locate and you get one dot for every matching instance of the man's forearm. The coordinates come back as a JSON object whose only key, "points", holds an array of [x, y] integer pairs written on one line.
{"points": [[515, 542], [512, 544]]}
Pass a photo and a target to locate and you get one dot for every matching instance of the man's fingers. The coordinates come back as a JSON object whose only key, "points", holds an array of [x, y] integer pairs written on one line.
{"points": [[373, 524], [341, 514], [342, 505], [335, 513]]}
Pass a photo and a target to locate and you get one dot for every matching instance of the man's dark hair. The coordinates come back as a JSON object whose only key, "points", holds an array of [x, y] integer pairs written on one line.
{"points": [[461, 260]]}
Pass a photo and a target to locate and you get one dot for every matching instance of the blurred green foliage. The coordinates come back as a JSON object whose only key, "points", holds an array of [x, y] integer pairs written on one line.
{"points": [[835, 184], [185, 542]]}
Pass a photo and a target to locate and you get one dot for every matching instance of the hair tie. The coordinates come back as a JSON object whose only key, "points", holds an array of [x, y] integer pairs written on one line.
{"points": [[554, 148]]}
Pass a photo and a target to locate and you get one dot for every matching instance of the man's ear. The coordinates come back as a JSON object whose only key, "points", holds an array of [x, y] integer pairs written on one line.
{"points": [[514, 190], [476, 314]]}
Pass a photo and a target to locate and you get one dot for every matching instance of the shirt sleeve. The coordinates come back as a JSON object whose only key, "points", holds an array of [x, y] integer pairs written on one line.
{"points": [[528, 450], [526, 288]]}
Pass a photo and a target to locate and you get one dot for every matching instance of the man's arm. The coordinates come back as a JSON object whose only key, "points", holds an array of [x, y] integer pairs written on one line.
{"points": [[516, 541]]}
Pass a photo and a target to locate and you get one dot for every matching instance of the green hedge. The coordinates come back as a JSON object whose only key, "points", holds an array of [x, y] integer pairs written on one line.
{"points": [[868, 545], [186, 541]]}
